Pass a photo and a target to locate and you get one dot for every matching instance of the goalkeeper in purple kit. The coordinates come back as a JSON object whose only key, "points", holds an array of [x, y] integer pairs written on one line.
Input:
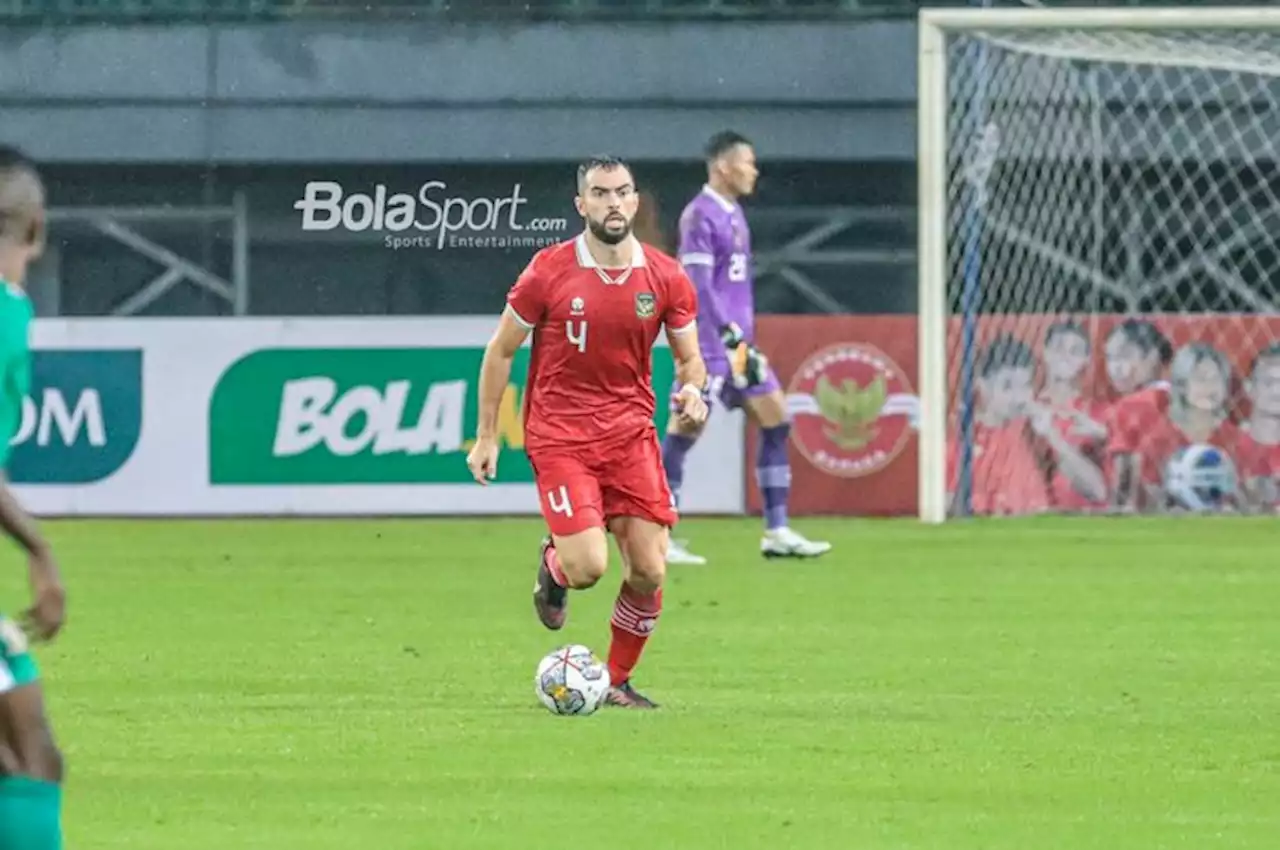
{"points": [[715, 250]]}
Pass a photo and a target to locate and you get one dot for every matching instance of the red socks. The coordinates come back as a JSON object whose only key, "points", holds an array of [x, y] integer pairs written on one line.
{"points": [[634, 617]]}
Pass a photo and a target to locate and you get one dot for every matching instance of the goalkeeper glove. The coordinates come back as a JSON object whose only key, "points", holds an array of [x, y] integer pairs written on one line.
{"points": [[749, 365]]}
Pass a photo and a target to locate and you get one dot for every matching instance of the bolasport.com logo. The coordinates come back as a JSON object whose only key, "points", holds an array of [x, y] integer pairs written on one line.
{"points": [[432, 217]]}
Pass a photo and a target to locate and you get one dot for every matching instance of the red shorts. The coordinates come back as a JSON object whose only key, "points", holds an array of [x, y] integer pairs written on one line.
{"points": [[580, 489]]}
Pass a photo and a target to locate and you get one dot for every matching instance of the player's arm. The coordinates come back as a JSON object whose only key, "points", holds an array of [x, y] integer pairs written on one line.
{"points": [[691, 371], [698, 257], [681, 322], [49, 600], [48, 610], [523, 311], [691, 374], [495, 370]]}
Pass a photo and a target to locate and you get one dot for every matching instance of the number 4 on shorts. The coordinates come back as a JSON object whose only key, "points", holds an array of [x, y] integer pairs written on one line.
{"points": [[558, 501]]}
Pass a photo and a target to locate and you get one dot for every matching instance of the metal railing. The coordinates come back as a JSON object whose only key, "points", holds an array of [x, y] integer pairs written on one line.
{"points": [[71, 11], [53, 11]]}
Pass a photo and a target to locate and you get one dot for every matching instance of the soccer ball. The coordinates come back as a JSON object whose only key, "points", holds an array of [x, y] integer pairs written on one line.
{"points": [[1200, 478], [571, 680]]}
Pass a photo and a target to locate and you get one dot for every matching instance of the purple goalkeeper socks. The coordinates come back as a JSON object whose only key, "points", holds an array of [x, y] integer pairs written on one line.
{"points": [[674, 448], [773, 474]]}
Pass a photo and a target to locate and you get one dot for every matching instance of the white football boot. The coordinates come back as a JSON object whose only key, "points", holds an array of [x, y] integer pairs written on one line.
{"points": [[678, 554], [785, 543]]}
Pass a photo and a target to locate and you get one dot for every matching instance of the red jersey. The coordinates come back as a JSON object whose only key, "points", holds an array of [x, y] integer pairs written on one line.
{"points": [[1140, 425], [1122, 409], [1006, 477], [1091, 445], [590, 374], [1258, 460]]}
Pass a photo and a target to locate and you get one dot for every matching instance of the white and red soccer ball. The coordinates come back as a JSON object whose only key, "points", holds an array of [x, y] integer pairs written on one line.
{"points": [[571, 681]]}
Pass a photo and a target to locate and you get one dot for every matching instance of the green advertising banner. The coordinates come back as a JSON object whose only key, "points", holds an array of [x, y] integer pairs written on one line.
{"points": [[82, 418], [366, 416]]}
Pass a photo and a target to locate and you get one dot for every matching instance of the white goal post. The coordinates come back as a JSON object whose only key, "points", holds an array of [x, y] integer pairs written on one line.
{"points": [[1113, 174]]}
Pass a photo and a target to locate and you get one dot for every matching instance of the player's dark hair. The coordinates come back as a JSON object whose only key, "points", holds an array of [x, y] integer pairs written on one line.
{"points": [[1069, 326], [1272, 350], [1005, 352], [605, 161], [723, 142], [1147, 337]]}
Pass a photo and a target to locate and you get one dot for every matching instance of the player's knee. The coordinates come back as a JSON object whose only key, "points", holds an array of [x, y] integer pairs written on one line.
{"points": [[648, 569], [584, 566], [770, 411]]}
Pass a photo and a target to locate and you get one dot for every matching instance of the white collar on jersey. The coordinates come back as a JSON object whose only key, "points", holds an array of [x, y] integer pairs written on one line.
{"points": [[586, 261], [725, 204]]}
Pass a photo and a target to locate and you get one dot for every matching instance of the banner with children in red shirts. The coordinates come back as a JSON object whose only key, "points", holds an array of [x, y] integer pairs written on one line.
{"points": [[1071, 414]]}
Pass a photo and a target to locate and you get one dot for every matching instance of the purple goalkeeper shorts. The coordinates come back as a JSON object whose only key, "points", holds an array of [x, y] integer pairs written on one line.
{"points": [[721, 377]]}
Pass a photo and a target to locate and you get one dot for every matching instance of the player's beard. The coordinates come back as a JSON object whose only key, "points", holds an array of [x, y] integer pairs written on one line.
{"points": [[601, 231]]}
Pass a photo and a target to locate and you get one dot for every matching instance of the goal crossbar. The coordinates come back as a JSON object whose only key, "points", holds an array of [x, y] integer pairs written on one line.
{"points": [[1218, 18]]}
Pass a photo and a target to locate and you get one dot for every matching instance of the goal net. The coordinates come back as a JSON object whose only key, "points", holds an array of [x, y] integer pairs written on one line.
{"points": [[1100, 261]]}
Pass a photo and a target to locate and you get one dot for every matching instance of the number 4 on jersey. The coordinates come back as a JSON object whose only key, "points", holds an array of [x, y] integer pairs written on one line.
{"points": [[577, 336]]}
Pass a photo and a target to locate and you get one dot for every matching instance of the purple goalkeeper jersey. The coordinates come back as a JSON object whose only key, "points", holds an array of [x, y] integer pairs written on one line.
{"points": [[715, 250]]}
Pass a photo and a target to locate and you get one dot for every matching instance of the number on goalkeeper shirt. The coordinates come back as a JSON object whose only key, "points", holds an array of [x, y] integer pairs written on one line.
{"points": [[737, 268]]}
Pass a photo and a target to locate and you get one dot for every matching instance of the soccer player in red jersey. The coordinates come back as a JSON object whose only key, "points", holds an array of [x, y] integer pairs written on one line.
{"points": [[1259, 447], [1007, 477], [1155, 422], [595, 306], [1073, 425]]}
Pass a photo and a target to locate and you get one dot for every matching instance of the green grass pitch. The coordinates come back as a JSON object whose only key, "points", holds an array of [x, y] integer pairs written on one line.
{"points": [[330, 685]]}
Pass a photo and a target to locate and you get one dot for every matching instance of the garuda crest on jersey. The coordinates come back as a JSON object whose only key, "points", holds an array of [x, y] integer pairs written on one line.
{"points": [[646, 305]]}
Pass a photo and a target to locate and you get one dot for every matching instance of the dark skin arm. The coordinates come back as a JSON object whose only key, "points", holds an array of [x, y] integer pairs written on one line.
{"points": [[49, 600]]}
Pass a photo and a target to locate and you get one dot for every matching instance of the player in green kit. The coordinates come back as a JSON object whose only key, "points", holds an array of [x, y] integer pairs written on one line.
{"points": [[30, 764]]}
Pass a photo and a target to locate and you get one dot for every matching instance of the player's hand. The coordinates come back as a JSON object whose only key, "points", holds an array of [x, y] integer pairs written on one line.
{"points": [[690, 405], [48, 611], [482, 460]]}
